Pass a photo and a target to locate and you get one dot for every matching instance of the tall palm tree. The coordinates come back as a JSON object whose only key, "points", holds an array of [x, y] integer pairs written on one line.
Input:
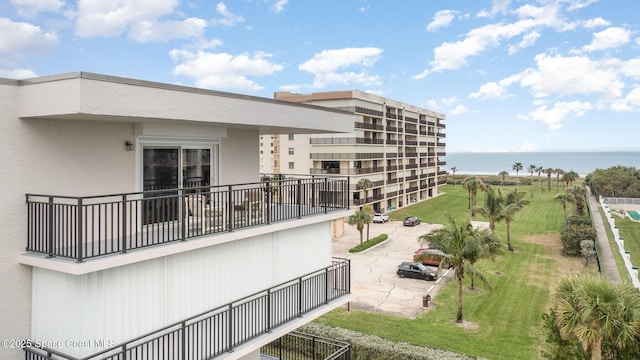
{"points": [[531, 169], [453, 171], [503, 174], [368, 209], [514, 201], [593, 309], [473, 184], [463, 244], [517, 167], [365, 184], [493, 206], [539, 170], [359, 219], [563, 198], [549, 172], [558, 172]]}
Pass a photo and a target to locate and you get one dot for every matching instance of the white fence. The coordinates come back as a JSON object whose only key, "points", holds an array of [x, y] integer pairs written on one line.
{"points": [[623, 203], [626, 255]]}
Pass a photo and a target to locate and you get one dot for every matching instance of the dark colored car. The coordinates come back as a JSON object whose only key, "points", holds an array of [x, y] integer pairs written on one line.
{"points": [[431, 257], [411, 221], [416, 270]]}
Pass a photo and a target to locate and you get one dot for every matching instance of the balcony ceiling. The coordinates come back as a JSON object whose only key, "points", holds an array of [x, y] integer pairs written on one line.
{"points": [[93, 97]]}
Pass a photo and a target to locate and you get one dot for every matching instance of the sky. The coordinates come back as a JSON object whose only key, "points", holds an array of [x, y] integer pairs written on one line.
{"points": [[510, 75]]}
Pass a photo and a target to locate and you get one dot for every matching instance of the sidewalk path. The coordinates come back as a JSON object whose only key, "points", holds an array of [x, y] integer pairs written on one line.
{"points": [[605, 255]]}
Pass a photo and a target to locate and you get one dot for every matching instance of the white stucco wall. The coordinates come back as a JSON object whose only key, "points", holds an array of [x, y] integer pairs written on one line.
{"points": [[125, 302]]}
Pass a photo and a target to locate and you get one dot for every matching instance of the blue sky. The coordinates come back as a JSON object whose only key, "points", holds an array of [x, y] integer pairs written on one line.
{"points": [[509, 75]]}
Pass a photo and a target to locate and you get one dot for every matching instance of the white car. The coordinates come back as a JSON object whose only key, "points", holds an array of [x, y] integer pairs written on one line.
{"points": [[380, 218]]}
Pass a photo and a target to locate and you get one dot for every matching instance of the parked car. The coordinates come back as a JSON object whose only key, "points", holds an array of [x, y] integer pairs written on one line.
{"points": [[411, 221], [431, 257], [380, 218], [416, 270]]}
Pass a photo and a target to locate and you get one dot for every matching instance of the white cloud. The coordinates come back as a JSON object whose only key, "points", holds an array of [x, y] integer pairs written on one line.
{"points": [[454, 55], [459, 110], [597, 22], [449, 101], [30, 8], [629, 103], [18, 74], [560, 111], [562, 75], [612, 37], [19, 38], [279, 6], [138, 17], [495, 90], [442, 18], [528, 40], [329, 67], [222, 70], [144, 31], [228, 18], [488, 91], [579, 4]]}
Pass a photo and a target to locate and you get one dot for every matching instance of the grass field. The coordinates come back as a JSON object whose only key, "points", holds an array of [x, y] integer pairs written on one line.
{"points": [[504, 323]]}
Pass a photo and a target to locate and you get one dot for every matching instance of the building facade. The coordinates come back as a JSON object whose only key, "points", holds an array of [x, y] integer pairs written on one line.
{"points": [[399, 148], [135, 224]]}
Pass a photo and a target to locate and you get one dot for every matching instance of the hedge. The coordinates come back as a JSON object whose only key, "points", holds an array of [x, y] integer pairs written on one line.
{"points": [[369, 243]]}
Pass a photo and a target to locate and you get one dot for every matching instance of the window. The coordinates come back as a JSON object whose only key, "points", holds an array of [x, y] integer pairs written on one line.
{"points": [[290, 136], [260, 152], [290, 151], [291, 165]]}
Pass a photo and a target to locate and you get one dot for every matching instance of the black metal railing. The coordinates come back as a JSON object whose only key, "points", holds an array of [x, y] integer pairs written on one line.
{"points": [[221, 330], [301, 346], [82, 228]]}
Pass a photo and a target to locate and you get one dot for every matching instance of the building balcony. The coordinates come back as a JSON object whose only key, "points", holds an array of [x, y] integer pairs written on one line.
{"points": [[84, 228], [361, 125], [216, 332], [296, 345]]}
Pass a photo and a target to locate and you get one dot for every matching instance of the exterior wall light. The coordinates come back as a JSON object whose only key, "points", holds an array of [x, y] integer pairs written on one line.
{"points": [[130, 146]]}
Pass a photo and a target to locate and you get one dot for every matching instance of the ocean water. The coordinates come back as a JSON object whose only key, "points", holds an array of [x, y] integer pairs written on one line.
{"points": [[582, 163]]}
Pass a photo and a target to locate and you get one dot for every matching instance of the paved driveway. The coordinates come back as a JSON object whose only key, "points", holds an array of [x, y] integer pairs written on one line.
{"points": [[374, 283]]}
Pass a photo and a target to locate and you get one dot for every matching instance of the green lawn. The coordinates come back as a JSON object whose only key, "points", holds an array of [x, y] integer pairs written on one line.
{"points": [[507, 319], [630, 232]]}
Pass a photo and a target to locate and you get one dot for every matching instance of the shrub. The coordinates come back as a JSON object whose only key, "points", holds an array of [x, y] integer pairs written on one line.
{"points": [[369, 243], [574, 230], [370, 347]]}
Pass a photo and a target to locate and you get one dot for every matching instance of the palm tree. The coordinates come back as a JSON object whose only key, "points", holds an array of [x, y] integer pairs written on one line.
{"points": [[558, 172], [453, 172], [514, 202], [473, 184], [517, 167], [463, 244], [365, 184], [359, 219], [503, 174], [549, 172], [368, 209], [493, 205], [539, 170], [563, 198], [593, 309], [569, 177], [532, 168]]}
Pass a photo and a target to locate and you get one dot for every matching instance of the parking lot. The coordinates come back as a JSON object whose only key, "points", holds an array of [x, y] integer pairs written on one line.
{"points": [[374, 283]]}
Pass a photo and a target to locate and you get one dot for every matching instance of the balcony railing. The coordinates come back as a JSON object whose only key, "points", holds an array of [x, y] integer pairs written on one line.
{"points": [[299, 346], [82, 228], [221, 330]]}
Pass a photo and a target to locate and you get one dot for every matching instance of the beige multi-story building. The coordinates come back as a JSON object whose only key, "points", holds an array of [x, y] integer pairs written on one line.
{"points": [[398, 147]]}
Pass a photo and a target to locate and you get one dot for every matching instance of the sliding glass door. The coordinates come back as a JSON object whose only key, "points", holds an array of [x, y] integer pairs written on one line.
{"points": [[168, 168]]}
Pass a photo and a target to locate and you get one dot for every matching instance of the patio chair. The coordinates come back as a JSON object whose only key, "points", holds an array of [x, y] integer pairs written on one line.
{"points": [[198, 208]]}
